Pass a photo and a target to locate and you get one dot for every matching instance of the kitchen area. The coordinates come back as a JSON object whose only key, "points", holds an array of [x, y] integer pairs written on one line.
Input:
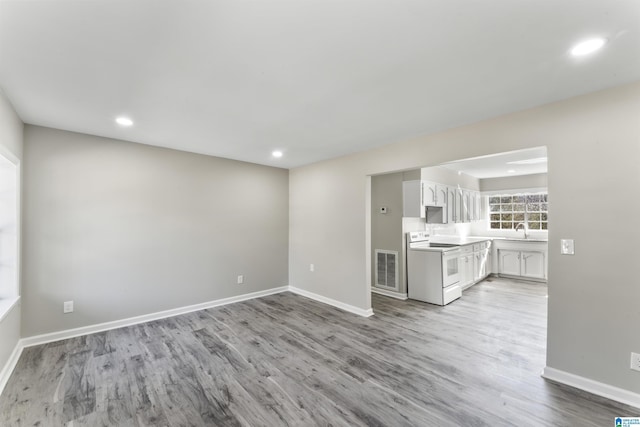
{"points": [[438, 231]]}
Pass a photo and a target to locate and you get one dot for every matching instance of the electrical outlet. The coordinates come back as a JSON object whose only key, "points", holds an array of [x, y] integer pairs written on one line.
{"points": [[635, 361], [67, 307], [240, 279], [312, 267]]}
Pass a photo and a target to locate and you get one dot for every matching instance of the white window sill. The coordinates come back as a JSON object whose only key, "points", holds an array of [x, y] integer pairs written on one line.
{"points": [[6, 305]]}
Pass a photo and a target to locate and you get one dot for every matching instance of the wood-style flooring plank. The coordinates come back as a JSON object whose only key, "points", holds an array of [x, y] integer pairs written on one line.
{"points": [[286, 360]]}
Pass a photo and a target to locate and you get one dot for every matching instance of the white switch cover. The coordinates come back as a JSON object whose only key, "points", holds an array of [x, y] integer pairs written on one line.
{"points": [[240, 279], [68, 307], [635, 361], [566, 247], [312, 267]]}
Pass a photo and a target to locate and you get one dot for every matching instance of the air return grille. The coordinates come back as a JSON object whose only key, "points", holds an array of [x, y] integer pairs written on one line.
{"points": [[386, 269]]}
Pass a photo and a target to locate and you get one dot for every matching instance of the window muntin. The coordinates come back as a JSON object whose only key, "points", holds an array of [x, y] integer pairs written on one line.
{"points": [[507, 211]]}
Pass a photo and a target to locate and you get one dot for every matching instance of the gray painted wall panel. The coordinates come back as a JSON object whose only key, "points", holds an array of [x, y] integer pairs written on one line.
{"points": [[126, 229]]}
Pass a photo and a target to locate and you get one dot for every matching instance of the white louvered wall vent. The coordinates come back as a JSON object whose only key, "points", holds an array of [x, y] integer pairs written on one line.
{"points": [[386, 269]]}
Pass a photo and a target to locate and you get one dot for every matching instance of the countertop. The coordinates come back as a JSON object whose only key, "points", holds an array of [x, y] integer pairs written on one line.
{"points": [[468, 240]]}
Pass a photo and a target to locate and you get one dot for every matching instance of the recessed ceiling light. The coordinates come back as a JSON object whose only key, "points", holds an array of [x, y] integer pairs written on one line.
{"points": [[124, 121], [588, 46], [277, 153], [511, 171], [529, 161]]}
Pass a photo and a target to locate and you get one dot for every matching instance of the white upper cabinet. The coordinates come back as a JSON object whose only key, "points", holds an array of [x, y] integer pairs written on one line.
{"points": [[451, 205], [430, 190]]}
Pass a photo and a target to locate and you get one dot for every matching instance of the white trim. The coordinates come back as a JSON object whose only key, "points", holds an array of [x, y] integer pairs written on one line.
{"points": [[6, 305], [346, 307], [386, 293], [85, 330], [533, 190], [8, 368], [594, 387]]}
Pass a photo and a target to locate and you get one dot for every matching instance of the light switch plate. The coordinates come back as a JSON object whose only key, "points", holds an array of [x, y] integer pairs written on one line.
{"points": [[566, 247], [67, 307]]}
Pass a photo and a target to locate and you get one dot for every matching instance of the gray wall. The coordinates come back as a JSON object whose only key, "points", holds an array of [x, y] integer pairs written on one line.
{"points": [[538, 180], [386, 229], [11, 136], [593, 144], [125, 229]]}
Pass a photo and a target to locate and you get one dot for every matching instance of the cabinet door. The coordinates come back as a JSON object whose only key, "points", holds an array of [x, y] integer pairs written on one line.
{"points": [[509, 262], [442, 198], [489, 263], [430, 193], [467, 269], [532, 264], [451, 204], [478, 265], [472, 206], [459, 205]]}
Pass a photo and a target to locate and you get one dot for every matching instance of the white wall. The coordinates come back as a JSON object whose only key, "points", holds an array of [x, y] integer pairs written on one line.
{"points": [[125, 229], [593, 146], [538, 180], [11, 136]]}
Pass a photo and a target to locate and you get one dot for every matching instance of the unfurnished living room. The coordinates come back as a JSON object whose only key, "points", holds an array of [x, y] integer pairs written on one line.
{"points": [[354, 213]]}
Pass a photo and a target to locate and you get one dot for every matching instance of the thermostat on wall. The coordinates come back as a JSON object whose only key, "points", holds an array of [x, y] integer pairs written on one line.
{"points": [[383, 210]]}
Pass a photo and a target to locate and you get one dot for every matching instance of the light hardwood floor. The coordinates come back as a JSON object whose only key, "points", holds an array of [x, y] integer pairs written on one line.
{"points": [[288, 360]]}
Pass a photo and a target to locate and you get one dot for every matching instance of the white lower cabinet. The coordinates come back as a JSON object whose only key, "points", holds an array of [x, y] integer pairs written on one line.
{"points": [[475, 262], [526, 264], [466, 262]]}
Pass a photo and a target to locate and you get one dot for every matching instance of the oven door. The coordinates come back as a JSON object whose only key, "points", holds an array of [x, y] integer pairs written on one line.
{"points": [[450, 268]]}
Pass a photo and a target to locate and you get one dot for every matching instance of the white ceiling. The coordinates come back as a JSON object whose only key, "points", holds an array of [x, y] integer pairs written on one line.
{"points": [[314, 78], [513, 163]]}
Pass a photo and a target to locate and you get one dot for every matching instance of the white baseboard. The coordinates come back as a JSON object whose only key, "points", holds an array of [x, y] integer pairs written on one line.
{"points": [[392, 294], [346, 307], [100, 327], [594, 387], [8, 368]]}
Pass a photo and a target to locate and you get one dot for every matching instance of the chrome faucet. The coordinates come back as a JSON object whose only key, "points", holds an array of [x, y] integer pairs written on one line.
{"points": [[525, 227]]}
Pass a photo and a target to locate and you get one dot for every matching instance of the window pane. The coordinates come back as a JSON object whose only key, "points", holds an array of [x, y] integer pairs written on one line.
{"points": [[507, 208], [495, 208], [519, 199], [534, 225], [533, 198], [543, 216], [543, 198], [544, 207], [507, 225], [505, 199], [495, 225], [494, 199], [507, 217], [495, 217], [518, 217], [533, 207], [544, 225], [518, 208], [534, 217]]}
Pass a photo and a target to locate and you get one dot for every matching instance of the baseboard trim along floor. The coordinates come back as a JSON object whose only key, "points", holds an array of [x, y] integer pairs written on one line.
{"points": [[346, 307], [392, 294], [594, 387], [100, 327]]}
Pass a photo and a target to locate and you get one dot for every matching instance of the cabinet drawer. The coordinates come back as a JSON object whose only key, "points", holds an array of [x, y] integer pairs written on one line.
{"points": [[466, 249]]}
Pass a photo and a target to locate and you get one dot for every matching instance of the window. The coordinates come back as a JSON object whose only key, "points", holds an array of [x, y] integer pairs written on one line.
{"points": [[507, 211], [8, 231]]}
